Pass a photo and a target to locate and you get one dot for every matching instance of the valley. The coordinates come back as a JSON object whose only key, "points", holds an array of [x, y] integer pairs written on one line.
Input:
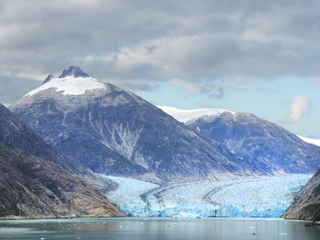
{"points": [[161, 161]]}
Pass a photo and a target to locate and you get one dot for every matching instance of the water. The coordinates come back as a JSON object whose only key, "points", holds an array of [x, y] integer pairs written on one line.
{"points": [[158, 229]]}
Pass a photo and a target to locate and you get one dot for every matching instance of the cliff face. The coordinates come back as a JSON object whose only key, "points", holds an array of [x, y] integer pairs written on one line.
{"points": [[36, 181], [307, 203]]}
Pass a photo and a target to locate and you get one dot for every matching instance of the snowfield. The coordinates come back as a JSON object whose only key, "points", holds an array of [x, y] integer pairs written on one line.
{"points": [[70, 85], [266, 196], [193, 114], [309, 140]]}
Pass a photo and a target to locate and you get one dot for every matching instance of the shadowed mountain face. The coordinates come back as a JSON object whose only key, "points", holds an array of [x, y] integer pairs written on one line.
{"points": [[37, 181], [21, 138], [114, 132], [259, 141]]}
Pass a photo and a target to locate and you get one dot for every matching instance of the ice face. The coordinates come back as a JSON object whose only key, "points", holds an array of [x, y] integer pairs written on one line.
{"points": [[127, 195], [242, 197]]}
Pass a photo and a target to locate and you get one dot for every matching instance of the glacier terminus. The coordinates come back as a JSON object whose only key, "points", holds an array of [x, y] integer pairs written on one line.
{"points": [[263, 196]]}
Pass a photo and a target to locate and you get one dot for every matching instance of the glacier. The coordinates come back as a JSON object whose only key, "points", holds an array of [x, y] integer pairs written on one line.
{"points": [[263, 196]]}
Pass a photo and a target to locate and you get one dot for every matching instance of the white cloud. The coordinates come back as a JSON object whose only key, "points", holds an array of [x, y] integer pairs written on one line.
{"points": [[299, 107], [315, 80]]}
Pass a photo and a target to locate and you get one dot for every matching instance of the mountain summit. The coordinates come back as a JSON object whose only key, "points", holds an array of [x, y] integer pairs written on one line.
{"points": [[71, 82], [48, 78], [73, 71]]}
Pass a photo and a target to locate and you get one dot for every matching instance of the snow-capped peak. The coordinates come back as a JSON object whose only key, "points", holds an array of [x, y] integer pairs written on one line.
{"points": [[71, 82], [186, 115]]}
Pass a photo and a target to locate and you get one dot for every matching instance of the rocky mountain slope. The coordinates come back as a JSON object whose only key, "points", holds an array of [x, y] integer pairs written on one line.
{"points": [[37, 181], [307, 203], [114, 132], [260, 143]]}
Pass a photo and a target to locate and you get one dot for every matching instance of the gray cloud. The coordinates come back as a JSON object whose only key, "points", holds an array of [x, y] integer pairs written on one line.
{"points": [[13, 88], [139, 44], [211, 90]]}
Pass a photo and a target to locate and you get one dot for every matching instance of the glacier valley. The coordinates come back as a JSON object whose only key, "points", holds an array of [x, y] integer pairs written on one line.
{"points": [[263, 196]]}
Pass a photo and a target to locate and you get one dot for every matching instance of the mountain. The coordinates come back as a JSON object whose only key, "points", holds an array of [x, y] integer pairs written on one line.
{"points": [[57, 115], [307, 203], [259, 142], [37, 181], [114, 132]]}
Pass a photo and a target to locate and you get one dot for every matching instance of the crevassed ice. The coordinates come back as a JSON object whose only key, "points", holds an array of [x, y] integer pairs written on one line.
{"points": [[70, 85], [242, 197], [127, 195]]}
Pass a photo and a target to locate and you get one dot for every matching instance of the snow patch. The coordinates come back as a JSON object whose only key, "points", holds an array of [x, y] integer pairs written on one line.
{"points": [[70, 85], [123, 139], [309, 140], [186, 115]]}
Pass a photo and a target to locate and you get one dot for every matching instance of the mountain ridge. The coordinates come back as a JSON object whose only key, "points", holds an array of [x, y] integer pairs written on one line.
{"points": [[256, 139]]}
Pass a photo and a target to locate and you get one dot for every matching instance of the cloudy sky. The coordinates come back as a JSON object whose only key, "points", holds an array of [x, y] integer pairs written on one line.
{"points": [[261, 57]]}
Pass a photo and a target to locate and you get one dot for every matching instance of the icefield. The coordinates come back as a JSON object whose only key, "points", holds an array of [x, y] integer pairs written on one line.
{"points": [[264, 196]]}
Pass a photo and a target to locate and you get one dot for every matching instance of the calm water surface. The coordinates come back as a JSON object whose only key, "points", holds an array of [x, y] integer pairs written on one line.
{"points": [[158, 229]]}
